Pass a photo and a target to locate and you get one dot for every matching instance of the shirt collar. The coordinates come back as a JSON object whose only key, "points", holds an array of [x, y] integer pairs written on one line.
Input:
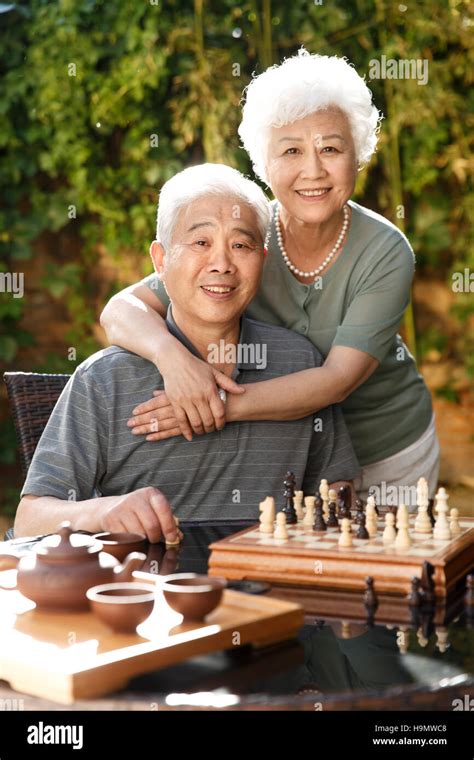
{"points": [[247, 339]]}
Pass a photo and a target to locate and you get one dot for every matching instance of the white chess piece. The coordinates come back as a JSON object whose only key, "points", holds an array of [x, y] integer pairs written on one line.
{"points": [[324, 494], [267, 515], [298, 502], [454, 526], [442, 641], [441, 529], [422, 521], [389, 534], [345, 539], [371, 517], [281, 531], [403, 540], [308, 518], [403, 639]]}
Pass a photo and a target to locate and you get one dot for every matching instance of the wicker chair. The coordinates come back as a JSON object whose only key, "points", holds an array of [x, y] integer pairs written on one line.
{"points": [[32, 397]]}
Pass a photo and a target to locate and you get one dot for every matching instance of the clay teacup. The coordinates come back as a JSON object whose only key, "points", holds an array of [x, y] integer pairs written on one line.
{"points": [[122, 606], [121, 544], [193, 596]]}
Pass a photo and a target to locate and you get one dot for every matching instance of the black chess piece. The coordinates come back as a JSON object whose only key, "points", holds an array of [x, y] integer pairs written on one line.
{"points": [[469, 596], [370, 597], [415, 597], [319, 524], [427, 584], [430, 512], [371, 601], [332, 522], [362, 531], [359, 505], [289, 508]]}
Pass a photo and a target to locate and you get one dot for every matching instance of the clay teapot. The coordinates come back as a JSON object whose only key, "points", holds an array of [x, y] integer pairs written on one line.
{"points": [[64, 565]]}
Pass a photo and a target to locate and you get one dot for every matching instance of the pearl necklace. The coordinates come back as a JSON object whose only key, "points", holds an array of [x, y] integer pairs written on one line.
{"points": [[328, 258]]}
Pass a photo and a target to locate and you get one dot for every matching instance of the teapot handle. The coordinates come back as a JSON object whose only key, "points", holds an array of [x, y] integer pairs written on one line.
{"points": [[133, 561], [8, 562]]}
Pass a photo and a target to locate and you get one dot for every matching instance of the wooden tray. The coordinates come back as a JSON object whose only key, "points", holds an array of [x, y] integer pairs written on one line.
{"points": [[69, 656], [314, 559]]}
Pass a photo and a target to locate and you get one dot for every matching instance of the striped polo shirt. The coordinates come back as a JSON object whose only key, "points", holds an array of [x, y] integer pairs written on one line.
{"points": [[87, 449]]}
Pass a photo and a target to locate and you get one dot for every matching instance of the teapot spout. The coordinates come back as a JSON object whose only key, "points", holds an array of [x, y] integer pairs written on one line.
{"points": [[133, 561]]}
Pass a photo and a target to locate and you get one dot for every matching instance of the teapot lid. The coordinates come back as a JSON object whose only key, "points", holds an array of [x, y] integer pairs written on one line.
{"points": [[66, 544]]}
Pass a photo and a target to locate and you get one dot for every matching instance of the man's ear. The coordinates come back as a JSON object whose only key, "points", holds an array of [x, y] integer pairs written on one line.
{"points": [[157, 253]]}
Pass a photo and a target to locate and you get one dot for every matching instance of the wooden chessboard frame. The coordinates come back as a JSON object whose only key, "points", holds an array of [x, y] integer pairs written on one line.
{"points": [[289, 563]]}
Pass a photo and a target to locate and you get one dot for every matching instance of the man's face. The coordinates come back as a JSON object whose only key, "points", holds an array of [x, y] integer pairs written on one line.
{"points": [[216, 258]]}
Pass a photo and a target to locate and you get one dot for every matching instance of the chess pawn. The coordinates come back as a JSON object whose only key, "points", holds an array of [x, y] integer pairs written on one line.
{"points": [[441, 529], [454, 526], [332, 522], [319, 524], [370, 597], [414, 597], [389, 535], [442, 642], [345, 539], [308, 518], [281, 531], [299, 505], [371, 517], [403, 540]]}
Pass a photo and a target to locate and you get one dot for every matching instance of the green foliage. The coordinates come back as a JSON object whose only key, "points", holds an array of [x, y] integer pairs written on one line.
{"points": [[89, 87]]}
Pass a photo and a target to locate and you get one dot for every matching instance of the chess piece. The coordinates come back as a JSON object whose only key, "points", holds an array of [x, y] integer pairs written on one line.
{"points": [[177, 541], [344, 495], [469, 595], [345, 539], [422, 521], [319, 525], [454, 526], [414, 597], [403, 639], [442, 642], [267, 515], [371, 495], [308, 518], [324, 493], [289, 508], [422, 641], [332, 522], [371, 517], [362, 531], [370, 597], [403, 540], [389, 534], [359, 515], [298, 501], [441, 529], [428, 585], [281, 531]]}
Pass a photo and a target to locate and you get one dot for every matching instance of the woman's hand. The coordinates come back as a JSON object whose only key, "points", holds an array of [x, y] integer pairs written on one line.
{"points": [[190, 402]]}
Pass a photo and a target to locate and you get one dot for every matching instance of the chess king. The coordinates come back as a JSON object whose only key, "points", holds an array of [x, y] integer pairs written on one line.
{"points": [[88, 466]]}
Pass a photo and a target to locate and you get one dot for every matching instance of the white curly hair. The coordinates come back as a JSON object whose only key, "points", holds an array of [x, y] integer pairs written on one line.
{"points": [[298, 87]]}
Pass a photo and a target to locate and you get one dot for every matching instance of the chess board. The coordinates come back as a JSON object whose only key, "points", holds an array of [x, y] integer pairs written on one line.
{"points": [[307, 558]]}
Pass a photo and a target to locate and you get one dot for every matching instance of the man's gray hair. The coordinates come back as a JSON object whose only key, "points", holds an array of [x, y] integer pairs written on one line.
{"points": [[208, 180]]}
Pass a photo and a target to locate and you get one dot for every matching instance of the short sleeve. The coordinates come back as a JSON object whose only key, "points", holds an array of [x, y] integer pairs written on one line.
{"points": [[155, 284], [71, 455], [378, 302]]}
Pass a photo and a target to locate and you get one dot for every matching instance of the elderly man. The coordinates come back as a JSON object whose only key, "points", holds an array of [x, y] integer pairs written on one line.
{"points": [[89, 469]]}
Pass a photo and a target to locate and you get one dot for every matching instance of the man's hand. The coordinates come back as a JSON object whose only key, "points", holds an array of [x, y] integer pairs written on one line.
{"points": [[145, 511]]}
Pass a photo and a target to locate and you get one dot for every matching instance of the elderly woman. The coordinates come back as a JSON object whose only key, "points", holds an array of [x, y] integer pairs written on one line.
{"points": [[336, 272]]}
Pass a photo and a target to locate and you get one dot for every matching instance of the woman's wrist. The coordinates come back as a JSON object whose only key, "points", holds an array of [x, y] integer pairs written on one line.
{"points": [[168, 349]]}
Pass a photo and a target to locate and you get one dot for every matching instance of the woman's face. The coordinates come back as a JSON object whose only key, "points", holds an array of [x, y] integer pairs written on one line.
{"points": [[312, 166]]}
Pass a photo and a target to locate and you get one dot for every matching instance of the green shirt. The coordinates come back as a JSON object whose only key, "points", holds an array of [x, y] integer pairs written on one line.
{"points": [[359, 303]]}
